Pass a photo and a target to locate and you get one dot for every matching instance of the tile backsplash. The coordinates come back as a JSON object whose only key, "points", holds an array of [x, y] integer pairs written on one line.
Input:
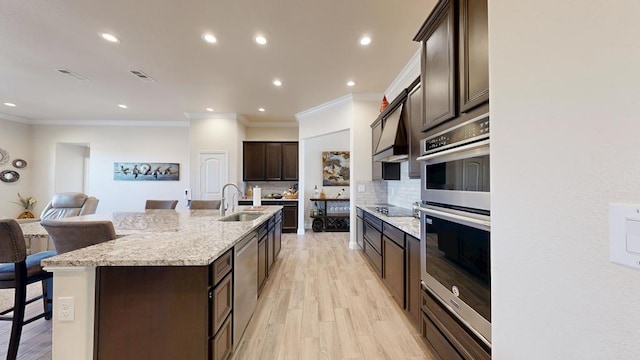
{"points": [[404, 192]]}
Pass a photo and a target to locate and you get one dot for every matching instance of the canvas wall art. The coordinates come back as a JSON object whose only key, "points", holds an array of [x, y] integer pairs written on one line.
{"points": [[335, 168], [146, 171]]}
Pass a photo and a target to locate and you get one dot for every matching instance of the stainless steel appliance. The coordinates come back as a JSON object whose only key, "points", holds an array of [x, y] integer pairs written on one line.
{"points": [[455, 222], [245, 284]]}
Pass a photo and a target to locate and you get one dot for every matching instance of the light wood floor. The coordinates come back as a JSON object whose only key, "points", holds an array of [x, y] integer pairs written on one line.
{"points": [[322, 301]]}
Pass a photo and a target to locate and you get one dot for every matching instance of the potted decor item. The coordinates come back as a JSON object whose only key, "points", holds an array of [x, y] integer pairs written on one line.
{"points": [[27, 204]]}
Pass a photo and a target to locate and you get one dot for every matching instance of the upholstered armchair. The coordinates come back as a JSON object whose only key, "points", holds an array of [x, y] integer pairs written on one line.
{"points": [[61, 206], [64, 205]]}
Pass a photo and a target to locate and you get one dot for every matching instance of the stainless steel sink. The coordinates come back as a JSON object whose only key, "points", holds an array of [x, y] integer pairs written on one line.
{"points": [[242, 216]]}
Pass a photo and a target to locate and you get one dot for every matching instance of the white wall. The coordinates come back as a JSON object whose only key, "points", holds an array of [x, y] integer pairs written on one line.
{"points": [[15, 139], [313, 166], [70, 167], [111, 144], [220, 132], [279, 133], [564, 104]]}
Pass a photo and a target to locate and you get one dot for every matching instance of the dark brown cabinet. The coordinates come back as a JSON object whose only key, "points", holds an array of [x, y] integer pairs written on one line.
{"points": [[447, 335], [277, 241], [262, 261], [439, 64], [413, 114], [290, 161], [381, 170], [393, 269], [412, 284], [373, 242], [271, 236], [273, 161], [270, 161], [145, 298], [473, 53], [455, 62], [253, 161]]}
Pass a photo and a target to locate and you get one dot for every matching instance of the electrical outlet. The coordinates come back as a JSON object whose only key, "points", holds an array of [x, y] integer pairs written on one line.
{"points": [[66, 308]]}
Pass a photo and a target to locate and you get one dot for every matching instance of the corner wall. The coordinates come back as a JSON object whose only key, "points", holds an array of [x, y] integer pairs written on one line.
{"points": [[564, 131], [15, 139]]}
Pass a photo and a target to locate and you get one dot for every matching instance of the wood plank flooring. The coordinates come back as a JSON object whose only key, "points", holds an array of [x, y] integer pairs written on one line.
{"points": [[325, 302], [322, 301]]}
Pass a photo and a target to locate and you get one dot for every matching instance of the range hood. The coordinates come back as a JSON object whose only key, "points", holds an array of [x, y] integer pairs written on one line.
{"points": [[392, 146]]}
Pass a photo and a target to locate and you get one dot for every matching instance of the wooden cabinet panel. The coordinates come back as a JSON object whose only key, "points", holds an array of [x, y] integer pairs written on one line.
{"points": [[414, 121], [253, 161], [376, 133], [439, 66], [262, 262], [375, 259], [290, 217], [153, 302], [437, 341], [413, 279], [393, 273], [290, 161], [222, 266], [222, 302], [473, 53], [277, 241], [221, 344], [273, 161], [271, 235]]}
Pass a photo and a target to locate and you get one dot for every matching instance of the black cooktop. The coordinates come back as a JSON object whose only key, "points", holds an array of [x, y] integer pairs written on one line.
{"points": [[391, 210]]}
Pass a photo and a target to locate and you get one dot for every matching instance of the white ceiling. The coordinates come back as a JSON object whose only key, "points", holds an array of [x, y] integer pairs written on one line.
{"points": [[313, 48]]}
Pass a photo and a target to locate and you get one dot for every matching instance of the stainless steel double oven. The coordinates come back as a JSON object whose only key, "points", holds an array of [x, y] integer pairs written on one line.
{"points": [[455, 221]]}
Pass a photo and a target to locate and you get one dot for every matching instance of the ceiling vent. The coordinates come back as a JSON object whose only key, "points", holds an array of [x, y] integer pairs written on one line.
{"points": [[142, 75], [72, 74]]}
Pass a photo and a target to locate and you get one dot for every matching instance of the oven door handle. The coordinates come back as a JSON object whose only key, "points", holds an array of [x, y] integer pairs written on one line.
{"points": [[466, 220], [464, 148]]}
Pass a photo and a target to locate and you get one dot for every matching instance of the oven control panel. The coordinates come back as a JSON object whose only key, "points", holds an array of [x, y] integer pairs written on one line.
{"points": [[472, 130]]}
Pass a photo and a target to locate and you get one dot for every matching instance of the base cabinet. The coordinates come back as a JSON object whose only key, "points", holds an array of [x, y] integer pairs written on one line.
{"points": [[447, 335], [413, 295], [182, 308]]}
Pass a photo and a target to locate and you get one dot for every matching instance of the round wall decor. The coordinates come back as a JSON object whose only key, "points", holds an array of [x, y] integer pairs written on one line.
{"points": [[4, 157], [19, 163], [9, 176]]}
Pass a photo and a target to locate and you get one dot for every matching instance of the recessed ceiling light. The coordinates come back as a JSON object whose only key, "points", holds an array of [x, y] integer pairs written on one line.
{"points": [[351, 83], [261, 109], [365, 40], [277, 82], [261, 39], [210, 109], [210, 38], [122, 106], [110, 37], [10, 104]]}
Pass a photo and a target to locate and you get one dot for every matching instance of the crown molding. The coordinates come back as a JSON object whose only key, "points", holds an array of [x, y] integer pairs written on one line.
{"points": [[14, 118], [272, 124], [324, 107], [136, 123], [406, 76]]}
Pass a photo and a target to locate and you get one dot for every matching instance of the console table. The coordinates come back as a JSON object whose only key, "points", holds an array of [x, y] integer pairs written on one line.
{"points": [[330, 214]]}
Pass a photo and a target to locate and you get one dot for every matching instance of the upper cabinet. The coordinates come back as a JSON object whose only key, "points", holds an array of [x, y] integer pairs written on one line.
{"points": [[455, 61], [474, 54], [269, 161], [413, 112]]}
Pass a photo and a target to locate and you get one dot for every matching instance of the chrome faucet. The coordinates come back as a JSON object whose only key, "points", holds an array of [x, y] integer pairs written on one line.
{"points": [[233, 206]]}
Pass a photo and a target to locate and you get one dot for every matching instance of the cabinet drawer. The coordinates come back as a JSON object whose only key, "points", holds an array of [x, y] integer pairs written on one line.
{"points": [[221, 302], [394, 234], [373, 221], [375, 259], [373, 236], [437, 341], [222, 344], [465, 342], [222, 266]]}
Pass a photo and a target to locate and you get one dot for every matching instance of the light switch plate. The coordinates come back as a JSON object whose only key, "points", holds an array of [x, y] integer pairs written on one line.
{"points": [[624, 234]]}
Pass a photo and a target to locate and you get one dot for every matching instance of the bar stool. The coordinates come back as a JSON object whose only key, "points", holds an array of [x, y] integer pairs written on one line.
{"points": [[72, 235], [17, 270], [204, 204], [160, 204]]}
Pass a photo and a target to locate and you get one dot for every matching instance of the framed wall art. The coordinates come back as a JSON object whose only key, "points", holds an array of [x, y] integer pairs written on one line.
{"points": [[335, 168], [146, 171]]}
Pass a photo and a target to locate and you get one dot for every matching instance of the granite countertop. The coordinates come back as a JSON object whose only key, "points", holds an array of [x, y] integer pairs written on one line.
{"points": [[408, 224], [159, 238]]}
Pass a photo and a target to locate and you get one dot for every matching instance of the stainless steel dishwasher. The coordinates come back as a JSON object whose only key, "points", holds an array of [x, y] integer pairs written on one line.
{"points": [[245, 280]]}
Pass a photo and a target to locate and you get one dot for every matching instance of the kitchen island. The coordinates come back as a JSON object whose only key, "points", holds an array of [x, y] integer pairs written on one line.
{"points": [[153, 292]]}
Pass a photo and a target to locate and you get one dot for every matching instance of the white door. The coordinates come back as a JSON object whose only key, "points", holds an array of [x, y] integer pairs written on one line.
{"points": [[213, 175]]}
